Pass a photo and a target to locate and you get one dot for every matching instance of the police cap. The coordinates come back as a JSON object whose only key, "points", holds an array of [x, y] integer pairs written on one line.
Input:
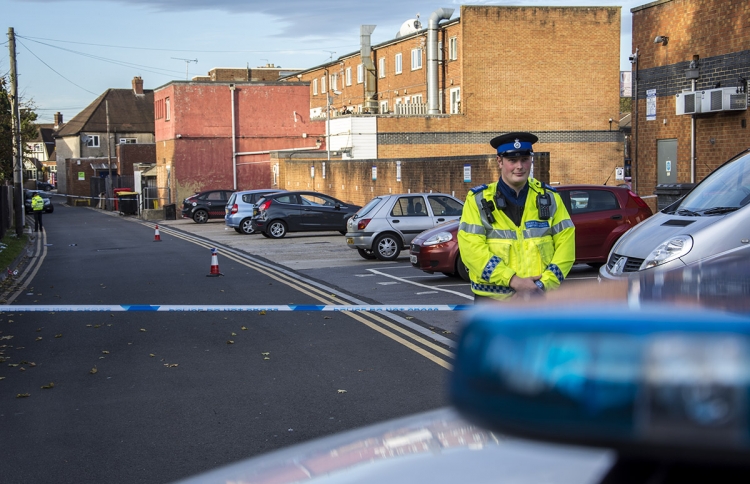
{"points": [[514, 144]]}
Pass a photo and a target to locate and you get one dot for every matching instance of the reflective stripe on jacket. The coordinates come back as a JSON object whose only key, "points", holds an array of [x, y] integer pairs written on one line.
{"points": [[495, 252], [37, 203]]}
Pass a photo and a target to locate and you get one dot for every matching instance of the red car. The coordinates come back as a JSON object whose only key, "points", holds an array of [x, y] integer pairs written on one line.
{"points": [[600, 213]]}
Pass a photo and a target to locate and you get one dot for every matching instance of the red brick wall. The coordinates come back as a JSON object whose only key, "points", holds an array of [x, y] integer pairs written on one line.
{"points": [[128, 154], [716, 31]]}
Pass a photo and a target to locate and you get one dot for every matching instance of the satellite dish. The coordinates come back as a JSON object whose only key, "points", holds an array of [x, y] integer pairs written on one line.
{"points": [[409, 27], [84, 138]]}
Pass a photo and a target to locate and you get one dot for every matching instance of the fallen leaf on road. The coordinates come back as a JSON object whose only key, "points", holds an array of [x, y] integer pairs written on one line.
{"points": [[234, 334], [143, 330], [13, 364], [38, 330], [93, 370], [266, 353], [243, 328], [326, 317], [170, 365], [342, 391], [47, 387], [22, 369], [266, 358], [6, 337], [97, 325], [262, 313], [32, 364], [105, 352], [410, 317], [38, 338], [446, 332], [88, 325], [230, 342], [2, 378], [23, 395], [58, 336], [151, 355]]}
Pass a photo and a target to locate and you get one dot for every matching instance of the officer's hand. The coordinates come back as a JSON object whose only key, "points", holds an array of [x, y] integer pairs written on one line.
{"points": [[525, 286]]}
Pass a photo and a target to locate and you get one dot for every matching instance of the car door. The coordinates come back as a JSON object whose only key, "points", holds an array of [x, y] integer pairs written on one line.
{"points": [[444, 208], [320, 212], [409, 216], [286, 207], [595, 214], [216, 203]]}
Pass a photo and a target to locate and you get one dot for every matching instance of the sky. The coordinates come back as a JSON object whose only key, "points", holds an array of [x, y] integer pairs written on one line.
{"points": [[70, 51]]}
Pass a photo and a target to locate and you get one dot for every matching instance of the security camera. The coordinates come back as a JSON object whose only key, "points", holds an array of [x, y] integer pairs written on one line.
{"points": [[632, 58]]}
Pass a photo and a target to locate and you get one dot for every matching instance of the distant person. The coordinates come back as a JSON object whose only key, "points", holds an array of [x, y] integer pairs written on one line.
{"points": [[37, 206]]}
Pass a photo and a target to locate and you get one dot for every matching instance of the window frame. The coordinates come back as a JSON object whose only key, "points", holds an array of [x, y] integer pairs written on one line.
{"points": [[381, 67], [453, 48], [417, 58], [167, 109], [360, 73], [348, 76], [315, 87], [92, 141], [455, 104], [399, 67]]}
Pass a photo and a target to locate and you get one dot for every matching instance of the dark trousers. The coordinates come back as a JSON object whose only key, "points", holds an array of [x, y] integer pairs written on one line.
{"points": [[38, 220]]}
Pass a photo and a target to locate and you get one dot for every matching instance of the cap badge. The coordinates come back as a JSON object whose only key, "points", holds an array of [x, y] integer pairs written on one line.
{"points": [[517, 144]]}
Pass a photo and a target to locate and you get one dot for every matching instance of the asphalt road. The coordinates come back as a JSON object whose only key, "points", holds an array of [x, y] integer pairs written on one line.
{"points": [[152, 397]]}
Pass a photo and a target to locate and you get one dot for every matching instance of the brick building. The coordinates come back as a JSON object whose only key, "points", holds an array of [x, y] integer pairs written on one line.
{"points": [[553, 71], [214, 135], [688, 50]]}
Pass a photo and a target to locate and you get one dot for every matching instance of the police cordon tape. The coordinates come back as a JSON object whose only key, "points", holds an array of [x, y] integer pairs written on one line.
{"points": [[85, 308]]}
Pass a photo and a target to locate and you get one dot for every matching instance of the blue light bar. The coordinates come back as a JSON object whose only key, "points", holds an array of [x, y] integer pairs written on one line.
{"points": [[656, 379]]}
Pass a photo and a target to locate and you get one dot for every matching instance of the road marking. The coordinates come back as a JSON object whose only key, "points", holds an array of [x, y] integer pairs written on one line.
{"points": [[364, 275], [33, 267], [388, 283], [427, 292], [422, 285]]}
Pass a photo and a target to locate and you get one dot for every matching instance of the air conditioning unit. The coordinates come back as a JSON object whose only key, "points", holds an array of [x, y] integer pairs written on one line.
{"points": [[689, 102], [724, 99]]}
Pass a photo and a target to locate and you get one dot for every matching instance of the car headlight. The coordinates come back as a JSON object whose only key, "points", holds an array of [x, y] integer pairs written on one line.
{"points": [[667, 251], [438, 238]]}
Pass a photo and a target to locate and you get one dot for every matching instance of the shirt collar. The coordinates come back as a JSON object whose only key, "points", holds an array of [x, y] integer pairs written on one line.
{"points": [[510, 194]]}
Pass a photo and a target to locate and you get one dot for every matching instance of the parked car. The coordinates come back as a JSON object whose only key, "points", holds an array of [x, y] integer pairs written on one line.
{"points": [[388, 223], [300, 211], [600, 213], [42, 185], [205, 205], [712, 218], [48, 207], [239, 208]]}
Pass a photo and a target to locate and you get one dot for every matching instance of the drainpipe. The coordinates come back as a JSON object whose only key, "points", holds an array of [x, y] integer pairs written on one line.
{"points": [[234, 141], [432, 57], [365, 50], [692, 144]]}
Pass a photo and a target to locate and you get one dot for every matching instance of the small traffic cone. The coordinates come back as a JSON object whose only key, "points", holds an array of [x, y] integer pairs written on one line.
{"points": [[157, 237], [214, 264]]}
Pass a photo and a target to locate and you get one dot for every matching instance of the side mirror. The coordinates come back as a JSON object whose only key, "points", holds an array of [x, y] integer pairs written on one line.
{"points": [[337, 206]]}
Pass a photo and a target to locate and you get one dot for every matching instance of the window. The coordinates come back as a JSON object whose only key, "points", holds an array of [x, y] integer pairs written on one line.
{"points": [[455, 100], [381, 67], [440, 51], [128, 141], [167, 110], [417, 99], [383, 107], [592, 201], [334, 82], [442, 205], [315, 87], [398, 64], [407, 99], [413, 206], [453, 48], [416, 59], [348, 76], [92, 141], [323, 84], [360, 74]]}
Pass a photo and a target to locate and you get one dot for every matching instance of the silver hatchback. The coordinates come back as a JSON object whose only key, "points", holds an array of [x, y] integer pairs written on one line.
{"points": [[239, 209], [388, 223]]}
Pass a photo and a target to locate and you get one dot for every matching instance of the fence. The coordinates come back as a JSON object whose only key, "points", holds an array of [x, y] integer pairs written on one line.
{"points": [[6, 209], [154, 197]]}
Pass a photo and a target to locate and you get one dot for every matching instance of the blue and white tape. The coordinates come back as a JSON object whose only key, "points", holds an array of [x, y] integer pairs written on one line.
{"points": [[83, 308]]}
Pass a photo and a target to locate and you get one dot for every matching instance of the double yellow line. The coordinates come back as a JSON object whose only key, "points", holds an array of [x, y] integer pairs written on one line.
{"points": [[384, 327]]}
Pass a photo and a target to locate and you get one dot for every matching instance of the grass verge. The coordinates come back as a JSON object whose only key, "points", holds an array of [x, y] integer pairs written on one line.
{"points": [[12, 247]]}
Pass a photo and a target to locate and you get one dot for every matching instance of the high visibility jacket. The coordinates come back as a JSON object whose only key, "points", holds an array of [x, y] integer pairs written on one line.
{"points": [[495, 252], [37, 203]]}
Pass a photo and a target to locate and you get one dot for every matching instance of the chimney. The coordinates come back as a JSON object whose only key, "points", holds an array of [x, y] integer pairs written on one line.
{"points": [[137, 85], [58, 120]]}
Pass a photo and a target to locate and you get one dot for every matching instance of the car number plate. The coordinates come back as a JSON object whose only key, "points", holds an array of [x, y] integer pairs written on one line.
{"points": [[413, 259], [349, 241]]}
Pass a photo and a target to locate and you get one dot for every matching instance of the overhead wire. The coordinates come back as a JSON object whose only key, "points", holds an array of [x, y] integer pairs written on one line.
{"points": [[53, 70]]}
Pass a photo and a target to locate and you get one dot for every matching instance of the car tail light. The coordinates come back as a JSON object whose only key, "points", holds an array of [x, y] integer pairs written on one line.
{"points": [[235, 208], [363, 223], [638, 200], [264, 206]]}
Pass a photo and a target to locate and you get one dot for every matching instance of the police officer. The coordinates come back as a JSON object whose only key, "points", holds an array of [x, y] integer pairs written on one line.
{"points": [[515, 235], [37, 206]]}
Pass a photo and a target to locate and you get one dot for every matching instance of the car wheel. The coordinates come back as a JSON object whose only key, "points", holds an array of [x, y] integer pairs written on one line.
{"points": [[265, 234], [342, 232], [246, 227], [238, 230], [200, 216], [387, 247], [595, 265], [366, 254], [277, 229], [51, 208], [461, 270]]}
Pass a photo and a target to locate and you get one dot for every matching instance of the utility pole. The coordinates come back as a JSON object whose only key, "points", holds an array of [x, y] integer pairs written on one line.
{"points": [[109, 159], [16, 130]]}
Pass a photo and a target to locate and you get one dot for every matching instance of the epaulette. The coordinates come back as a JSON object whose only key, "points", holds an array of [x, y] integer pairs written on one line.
{"points": [[478, 189], [549, 187]]}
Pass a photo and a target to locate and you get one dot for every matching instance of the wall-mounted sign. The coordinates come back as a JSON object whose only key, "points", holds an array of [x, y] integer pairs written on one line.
{"points": [[619, 173], [81, 176], [312, 171], [374, 172], [398, 171], [651, 105], [323, 172], [467, 173]]}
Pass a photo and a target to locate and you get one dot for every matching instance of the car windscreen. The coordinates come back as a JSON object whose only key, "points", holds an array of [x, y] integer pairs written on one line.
{"points": [[367, 208], [726, 189]]}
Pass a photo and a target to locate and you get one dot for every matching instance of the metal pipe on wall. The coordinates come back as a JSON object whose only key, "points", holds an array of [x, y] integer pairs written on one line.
{"points": [[692, 144], [234, 141], [432, 58]]}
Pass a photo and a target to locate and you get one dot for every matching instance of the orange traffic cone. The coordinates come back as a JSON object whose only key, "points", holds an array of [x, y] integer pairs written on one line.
{"points": [[157, 237], [214, 264]]}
